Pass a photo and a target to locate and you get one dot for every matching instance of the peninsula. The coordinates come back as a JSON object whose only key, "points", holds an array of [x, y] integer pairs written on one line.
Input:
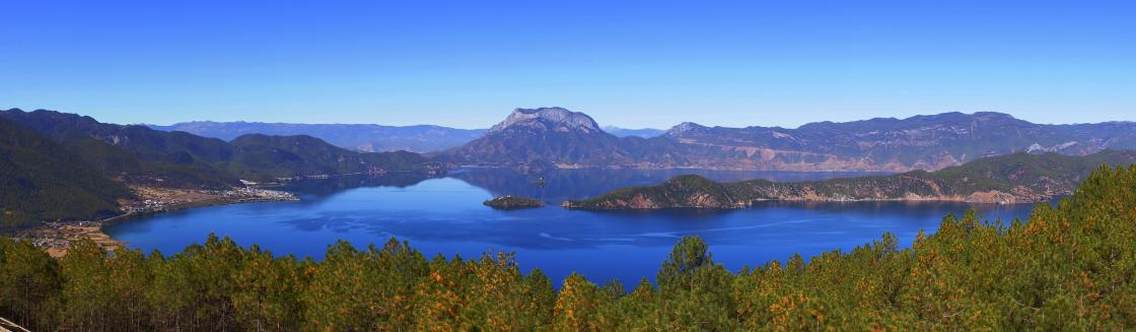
{"points": [[1011, 179]]}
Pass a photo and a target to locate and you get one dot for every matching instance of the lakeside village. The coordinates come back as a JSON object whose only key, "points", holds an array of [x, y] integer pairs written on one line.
{"points": [[56, 237]]}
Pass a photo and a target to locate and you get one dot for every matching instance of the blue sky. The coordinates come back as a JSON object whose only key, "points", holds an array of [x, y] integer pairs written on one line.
{"points": [[632, 64]]}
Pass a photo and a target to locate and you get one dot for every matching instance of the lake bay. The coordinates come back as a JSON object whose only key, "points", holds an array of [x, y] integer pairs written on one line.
{"points": [[446, 216]]}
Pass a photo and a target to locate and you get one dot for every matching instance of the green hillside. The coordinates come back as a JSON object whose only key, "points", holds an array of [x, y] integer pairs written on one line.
{"points": [[135, 154], [264, 157], [138, 154], [58, 166], [42, 180]]}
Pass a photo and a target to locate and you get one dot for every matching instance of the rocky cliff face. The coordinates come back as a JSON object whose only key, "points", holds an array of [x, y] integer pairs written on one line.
{"points": [[548, 118], [550, 135]]}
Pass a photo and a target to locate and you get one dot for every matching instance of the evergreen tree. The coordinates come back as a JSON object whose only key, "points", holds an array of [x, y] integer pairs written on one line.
{"points": [[30, 285], [576, 305]]}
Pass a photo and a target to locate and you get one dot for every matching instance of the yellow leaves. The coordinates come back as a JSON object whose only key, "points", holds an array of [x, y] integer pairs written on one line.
{"points": [[576, 304], [796, 312]]}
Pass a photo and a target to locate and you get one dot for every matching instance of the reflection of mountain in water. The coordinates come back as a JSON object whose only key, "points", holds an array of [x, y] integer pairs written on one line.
{"points": [[562, 184], [328, 187], [552, 186]]}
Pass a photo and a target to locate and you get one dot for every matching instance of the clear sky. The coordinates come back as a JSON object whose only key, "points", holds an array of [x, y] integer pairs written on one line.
{"points": [[632, 64]]}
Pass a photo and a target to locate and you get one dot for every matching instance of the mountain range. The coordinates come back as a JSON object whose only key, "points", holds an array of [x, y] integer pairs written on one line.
{"points": [[363, 137], [144, 155], [67, 166], [359, 137], [60, 166], [569, 139]]}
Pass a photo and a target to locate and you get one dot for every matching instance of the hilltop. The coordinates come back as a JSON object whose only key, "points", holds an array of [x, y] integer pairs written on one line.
{"points": [[551, 134]]}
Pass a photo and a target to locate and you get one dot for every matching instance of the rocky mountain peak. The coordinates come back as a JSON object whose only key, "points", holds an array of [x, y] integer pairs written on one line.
{"points": [[994, 116], [551, 118], [683, 128]]}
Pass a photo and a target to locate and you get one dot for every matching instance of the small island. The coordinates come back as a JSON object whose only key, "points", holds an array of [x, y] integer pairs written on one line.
{"points": [[508, 202]]}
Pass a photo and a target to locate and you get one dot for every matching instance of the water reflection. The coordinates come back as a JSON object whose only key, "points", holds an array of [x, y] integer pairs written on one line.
{"points": [[556, 185]]}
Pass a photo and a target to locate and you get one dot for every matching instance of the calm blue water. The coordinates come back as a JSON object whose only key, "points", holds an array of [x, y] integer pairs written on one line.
{"points": [[445, 216]]}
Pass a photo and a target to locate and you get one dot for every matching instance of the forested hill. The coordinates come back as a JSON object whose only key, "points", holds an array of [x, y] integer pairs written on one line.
{"points": [[1068, 268], [132, 153], [262, 156], [186, 160], [59, 166], [43, 180], [1016, 178]]}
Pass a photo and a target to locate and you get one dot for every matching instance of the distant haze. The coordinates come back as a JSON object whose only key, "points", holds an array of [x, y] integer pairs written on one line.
{"points": [[642, 132]]}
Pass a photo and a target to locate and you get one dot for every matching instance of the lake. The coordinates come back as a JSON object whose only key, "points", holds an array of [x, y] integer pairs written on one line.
{"points": [[446, 216]]}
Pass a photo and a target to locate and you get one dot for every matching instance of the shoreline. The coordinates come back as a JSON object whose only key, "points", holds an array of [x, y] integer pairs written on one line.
{"points": [[56, 237], [581, 205]]}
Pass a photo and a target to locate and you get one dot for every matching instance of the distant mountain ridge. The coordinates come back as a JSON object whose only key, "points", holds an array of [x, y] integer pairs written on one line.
{"points": [[624, 132], [60, 166], [360, 137], [921, 142], [140, 154], [568, 140]]}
